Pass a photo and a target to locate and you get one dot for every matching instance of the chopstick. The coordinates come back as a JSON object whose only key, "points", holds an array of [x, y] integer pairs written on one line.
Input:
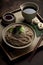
{"points": [[35, 49]]}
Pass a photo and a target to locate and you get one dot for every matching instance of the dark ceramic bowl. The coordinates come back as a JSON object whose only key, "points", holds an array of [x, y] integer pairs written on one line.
{"points": [[29, 16], [8, 18]]}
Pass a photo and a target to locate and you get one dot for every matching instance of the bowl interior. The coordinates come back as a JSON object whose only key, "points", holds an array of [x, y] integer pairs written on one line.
{"points": [[19, 47], [29, 5]]}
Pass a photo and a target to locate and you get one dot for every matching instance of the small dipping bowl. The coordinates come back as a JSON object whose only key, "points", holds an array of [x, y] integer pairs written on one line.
{"points": [[29, 14], [8, 18]]}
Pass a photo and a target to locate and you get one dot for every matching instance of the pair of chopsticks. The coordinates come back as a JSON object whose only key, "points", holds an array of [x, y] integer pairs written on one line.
{"points": [[35, 49]]}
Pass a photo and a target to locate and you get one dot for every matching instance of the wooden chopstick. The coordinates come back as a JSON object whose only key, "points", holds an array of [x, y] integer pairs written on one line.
{"points": [[35, 49]]}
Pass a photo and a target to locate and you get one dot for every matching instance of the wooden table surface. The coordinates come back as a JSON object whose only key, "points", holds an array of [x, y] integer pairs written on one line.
{"points": [[10, 5]]}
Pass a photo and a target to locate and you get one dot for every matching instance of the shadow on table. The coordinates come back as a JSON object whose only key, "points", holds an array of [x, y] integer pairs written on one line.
{"points": [[37, 59]]}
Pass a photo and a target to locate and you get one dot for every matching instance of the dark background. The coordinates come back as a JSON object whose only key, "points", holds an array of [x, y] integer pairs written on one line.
{"points": [[10, 5], [36, 60]]}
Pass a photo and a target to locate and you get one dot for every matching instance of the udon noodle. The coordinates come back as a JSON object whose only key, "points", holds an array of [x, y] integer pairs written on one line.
{"points": [[20, 38]]}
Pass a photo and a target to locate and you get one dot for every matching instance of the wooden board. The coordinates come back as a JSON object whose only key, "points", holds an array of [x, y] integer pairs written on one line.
{"points": [[13, 54]]}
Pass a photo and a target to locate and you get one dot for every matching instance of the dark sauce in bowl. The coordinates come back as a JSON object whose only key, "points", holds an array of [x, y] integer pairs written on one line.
{"points": [[8, 17]]}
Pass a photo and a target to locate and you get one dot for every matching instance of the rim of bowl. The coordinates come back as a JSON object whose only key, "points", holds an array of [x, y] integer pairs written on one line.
{"points": [[8, 13], [22, 6], [3, 36]]}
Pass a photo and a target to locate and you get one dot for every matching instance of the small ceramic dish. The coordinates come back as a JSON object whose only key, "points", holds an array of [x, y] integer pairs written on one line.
{"points": [[8, 18]]}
